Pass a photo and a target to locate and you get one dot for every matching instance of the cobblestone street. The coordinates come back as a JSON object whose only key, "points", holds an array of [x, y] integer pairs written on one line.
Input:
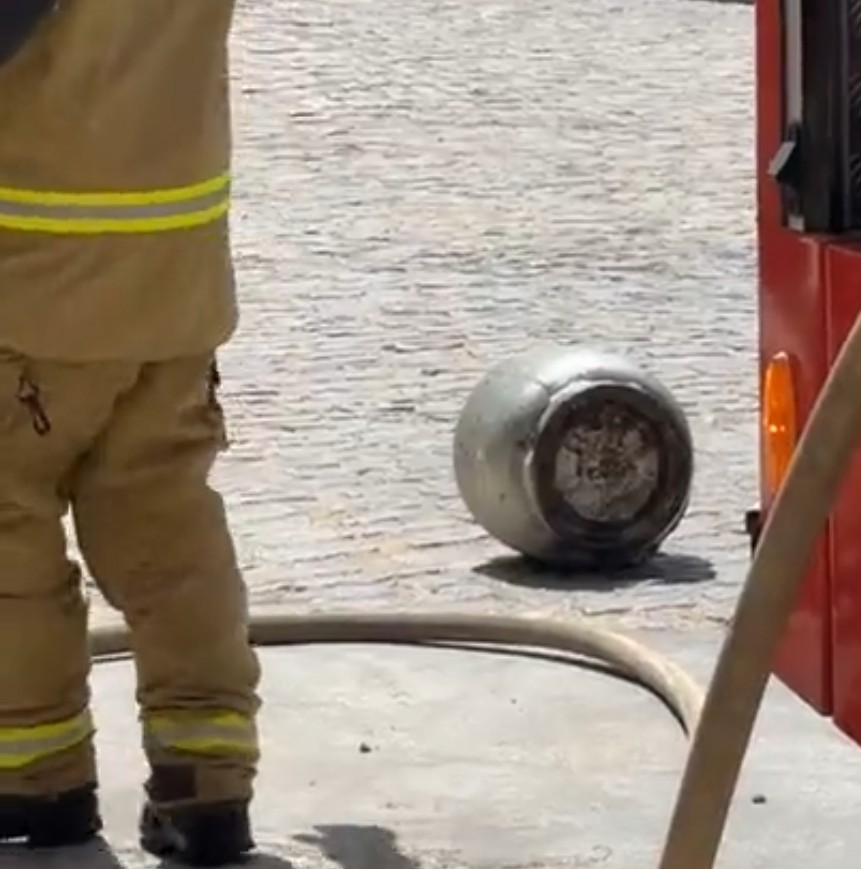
{"points": [[426, 187]]}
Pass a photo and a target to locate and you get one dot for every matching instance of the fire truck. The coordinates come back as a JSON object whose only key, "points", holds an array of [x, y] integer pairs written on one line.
{"points": [[808, 82]]}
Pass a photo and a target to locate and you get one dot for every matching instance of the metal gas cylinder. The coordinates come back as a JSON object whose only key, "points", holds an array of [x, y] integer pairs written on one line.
{"points": [[574, 457]]}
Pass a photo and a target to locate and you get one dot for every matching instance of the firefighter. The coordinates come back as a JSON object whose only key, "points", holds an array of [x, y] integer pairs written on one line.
{"points": [[116, 291]]}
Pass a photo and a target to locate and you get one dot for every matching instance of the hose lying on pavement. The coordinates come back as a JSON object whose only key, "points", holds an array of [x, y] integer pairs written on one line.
{"points": [[721, 732], [629, 658]]}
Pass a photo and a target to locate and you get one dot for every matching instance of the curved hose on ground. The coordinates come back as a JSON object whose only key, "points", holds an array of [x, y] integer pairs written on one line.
{"points": [[629, 658], [721, 728]]}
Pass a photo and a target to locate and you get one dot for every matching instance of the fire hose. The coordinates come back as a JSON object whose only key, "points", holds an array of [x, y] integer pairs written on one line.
{"points": [[720, 726]]}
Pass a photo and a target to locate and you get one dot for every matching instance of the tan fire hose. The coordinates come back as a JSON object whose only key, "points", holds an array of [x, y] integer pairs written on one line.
{"points": [[721, 728]]}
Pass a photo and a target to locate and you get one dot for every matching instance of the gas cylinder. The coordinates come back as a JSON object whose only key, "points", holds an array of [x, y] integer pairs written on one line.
{"points": [[574, 457]]}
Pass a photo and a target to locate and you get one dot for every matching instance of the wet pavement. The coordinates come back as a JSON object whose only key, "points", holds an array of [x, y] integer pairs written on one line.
{"points": [[424, 188]]}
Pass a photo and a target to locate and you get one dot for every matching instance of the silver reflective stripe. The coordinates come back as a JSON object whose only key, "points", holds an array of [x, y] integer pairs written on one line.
{"points": [[58, 212], [218, 733], [76, 212], [21, 746]]}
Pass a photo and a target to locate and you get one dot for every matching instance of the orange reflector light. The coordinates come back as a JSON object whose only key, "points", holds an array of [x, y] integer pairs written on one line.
{"points": [[779, 423]]}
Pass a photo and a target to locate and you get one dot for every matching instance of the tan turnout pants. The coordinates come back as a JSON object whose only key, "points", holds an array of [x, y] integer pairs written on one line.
{"points": [[129, 448]]}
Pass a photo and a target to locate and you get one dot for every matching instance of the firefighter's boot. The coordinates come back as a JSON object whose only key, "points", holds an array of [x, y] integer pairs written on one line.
{"points": [[204, 834], [69, 818]]}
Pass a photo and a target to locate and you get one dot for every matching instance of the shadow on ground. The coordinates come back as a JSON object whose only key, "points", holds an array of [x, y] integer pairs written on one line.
{"points": [[100, 855], [262, 861], [667, 568], [358, 847], [95, 855]]}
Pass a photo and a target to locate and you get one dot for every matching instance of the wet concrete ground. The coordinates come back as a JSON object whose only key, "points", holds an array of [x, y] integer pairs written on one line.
{"points": [[425, 187]]}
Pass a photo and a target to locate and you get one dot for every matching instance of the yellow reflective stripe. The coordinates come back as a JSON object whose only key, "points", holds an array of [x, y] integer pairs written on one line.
{"points": [[148, 197], [101, 213], [127, 226], [21, 746], [203, 732]]}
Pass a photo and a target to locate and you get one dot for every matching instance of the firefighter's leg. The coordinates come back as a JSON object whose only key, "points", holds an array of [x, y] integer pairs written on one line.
{"points": [[47, 771], [156, 539]]}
